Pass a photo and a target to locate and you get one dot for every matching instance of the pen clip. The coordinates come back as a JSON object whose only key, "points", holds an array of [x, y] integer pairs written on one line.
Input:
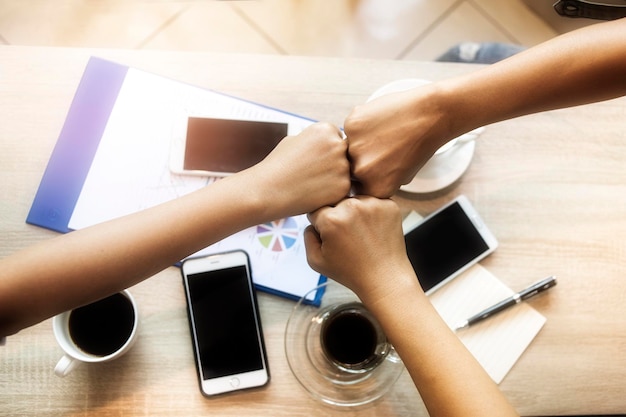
{"points": [[538, 287]]}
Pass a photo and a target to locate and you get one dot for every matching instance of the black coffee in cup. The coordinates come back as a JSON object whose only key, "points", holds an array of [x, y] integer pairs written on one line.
{"points": [[103, 327], [352, 339]]}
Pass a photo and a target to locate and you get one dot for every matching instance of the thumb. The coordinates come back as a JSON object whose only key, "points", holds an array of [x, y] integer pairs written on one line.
{"points": [[313, 245]]}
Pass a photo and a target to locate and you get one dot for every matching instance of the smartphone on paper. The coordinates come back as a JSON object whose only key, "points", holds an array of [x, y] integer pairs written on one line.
{"points": [[219, 147], [447, 242], [225, 324]]}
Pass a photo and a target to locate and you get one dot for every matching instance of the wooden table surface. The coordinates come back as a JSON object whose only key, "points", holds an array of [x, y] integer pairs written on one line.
{"points": [[552, 187]]}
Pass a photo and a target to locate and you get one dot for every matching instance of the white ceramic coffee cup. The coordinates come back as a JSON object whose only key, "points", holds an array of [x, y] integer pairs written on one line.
{"points": [[74, 355]]}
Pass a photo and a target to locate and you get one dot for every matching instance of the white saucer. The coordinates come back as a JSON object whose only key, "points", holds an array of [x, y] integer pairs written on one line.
{"points": [[444, 169]]}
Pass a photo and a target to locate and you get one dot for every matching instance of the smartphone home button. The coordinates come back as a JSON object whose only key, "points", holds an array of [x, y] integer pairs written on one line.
{"points": [[234, 382]]}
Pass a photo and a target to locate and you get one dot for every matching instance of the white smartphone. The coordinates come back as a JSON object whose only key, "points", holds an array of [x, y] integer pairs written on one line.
{"points": [[447, 242], [225, 324], [207, 146]]}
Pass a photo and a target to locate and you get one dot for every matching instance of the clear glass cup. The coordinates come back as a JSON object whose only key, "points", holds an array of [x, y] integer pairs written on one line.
{"points": [[359, 368]]}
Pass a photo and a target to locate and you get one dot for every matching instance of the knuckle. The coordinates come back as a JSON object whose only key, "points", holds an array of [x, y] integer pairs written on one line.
{"points": [[352, 121], [326, 127], [333, 220]]}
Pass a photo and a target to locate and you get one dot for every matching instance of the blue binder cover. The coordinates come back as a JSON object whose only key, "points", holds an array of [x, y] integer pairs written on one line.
{"points": [[76, 147], [77, 144]]}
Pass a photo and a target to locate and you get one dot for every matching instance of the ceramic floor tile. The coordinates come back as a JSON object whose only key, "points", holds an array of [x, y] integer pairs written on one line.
{"points": [[112, 23], [411, 29], [515, 18], [213, 26], [360, 28], [464, 23]]}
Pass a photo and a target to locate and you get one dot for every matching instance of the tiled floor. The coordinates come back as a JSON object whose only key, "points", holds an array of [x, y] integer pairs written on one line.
{"points": [[395, 29]]}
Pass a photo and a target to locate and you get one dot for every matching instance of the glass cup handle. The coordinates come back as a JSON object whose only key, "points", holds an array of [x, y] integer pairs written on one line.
{"points": [[65, 365]]}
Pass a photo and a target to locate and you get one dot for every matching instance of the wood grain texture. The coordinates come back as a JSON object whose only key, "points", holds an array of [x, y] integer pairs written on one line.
{"points": [[552, 187]]}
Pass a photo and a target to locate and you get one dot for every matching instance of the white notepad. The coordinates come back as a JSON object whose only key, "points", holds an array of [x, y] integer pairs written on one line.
{"points": [[499, 341]]}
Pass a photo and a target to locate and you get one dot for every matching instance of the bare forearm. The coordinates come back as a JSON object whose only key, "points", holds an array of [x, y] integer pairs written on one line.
{"points": [[85, 265], [579, 67], [301, 174], [437, 361]]}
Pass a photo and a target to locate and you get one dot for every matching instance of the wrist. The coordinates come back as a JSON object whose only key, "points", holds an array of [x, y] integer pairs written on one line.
{"points": [[390, 285], [457, 108], [482, 97], [248, 198], [433, 112]]}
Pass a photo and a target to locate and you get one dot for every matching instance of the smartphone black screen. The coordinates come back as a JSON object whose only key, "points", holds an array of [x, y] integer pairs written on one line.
{"points": [[223, 145], [224, 314], [442, 245]]}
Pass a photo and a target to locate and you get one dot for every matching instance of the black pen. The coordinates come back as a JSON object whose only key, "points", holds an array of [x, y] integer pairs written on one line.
{"points": [[525, 294]]}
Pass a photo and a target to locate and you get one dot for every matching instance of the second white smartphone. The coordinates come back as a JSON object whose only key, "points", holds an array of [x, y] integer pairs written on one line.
{"points": [[225, 324], [447, 242], [208, 146]]}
